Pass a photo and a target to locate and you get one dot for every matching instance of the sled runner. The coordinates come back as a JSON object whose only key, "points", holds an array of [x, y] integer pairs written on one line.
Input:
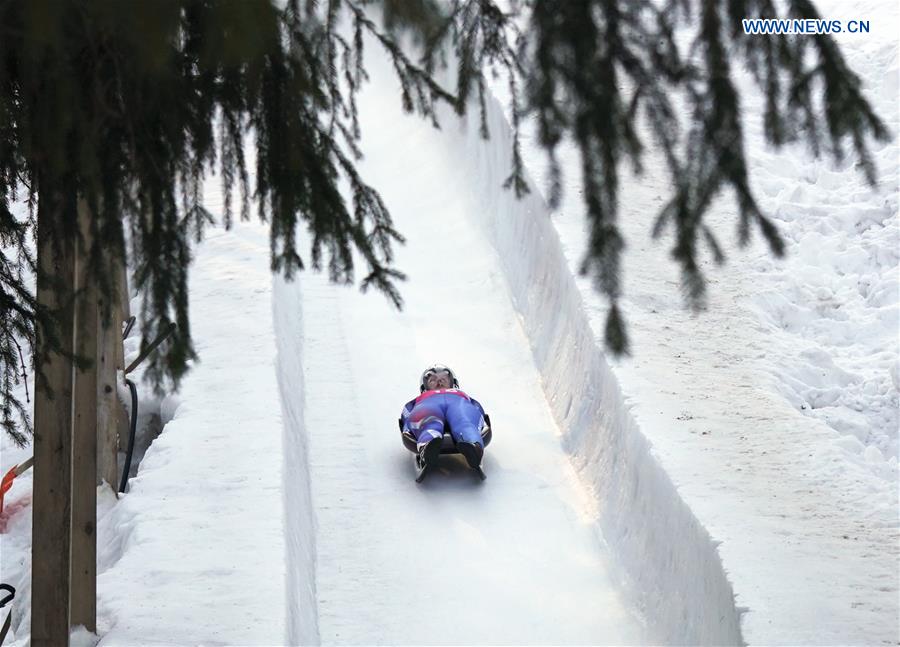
{"points": [[447, 446]]}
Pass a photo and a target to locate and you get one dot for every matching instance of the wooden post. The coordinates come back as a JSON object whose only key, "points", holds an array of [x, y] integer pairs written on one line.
{"points": [[108, 340], [52, 507], [109, 354], [84, 443]]}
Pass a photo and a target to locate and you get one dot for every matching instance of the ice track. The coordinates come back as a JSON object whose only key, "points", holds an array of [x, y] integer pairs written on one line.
{"points": [[515, 559]]}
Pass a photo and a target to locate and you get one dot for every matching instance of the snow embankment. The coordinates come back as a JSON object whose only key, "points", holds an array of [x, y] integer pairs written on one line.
{"points": [[212, 542], [774, 411], [194, 552], [300, 526], [832, 307], [667, 557]]}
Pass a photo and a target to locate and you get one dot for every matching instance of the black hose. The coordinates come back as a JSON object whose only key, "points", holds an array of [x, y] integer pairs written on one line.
{"points": [[6, 599], [131, 432]]}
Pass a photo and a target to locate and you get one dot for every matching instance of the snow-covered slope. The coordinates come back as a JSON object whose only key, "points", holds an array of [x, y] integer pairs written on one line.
{"points": [[194, 552], [278, 505], [199, 539], [775, 412]]}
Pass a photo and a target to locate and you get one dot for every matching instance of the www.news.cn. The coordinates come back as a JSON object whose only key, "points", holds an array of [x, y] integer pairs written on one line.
{"points": [[775, 26]]}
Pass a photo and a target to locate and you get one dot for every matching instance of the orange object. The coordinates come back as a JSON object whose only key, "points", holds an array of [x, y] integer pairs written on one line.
{"points": [[6, 484]]}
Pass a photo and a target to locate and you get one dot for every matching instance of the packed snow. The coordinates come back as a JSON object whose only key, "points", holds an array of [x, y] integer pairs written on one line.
{"points": [[734, 481], [775, 412]]}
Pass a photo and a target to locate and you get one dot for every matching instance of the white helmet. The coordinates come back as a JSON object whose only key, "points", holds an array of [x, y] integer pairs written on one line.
{"points": [[432, 370]]}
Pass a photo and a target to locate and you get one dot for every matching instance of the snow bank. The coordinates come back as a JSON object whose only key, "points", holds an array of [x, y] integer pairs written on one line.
{"points": [[832, 306], [213, 541], [300, 527], [194, 552], [669, 561], [774, 411]]}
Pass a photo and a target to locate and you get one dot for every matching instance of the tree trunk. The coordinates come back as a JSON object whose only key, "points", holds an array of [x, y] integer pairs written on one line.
{"points": [[51, 519], [84, 444]]}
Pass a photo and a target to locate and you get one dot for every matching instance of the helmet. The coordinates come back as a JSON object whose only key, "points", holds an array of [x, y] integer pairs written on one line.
{"points": [[437, 368]]}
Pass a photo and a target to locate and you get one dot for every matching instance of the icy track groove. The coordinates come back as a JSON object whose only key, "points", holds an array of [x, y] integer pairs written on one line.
{"points": [[516, 559]]}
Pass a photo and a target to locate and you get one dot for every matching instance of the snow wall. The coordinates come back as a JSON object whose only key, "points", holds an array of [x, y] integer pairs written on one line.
{"points": [[670, 563], [300, 529]]}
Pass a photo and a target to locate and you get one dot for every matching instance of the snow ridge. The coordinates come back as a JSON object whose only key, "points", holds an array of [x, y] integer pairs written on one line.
{"points": [[302, 613], [670, 563]]}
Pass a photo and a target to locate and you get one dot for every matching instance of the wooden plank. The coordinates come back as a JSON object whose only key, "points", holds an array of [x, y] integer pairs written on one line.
{"points": [[107, 403], [24, 466], [51, 518], [83, 596], [109, 349]]}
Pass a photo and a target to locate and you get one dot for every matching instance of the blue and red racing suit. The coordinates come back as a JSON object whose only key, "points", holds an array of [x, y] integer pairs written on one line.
{"points": [[427, 415]]}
